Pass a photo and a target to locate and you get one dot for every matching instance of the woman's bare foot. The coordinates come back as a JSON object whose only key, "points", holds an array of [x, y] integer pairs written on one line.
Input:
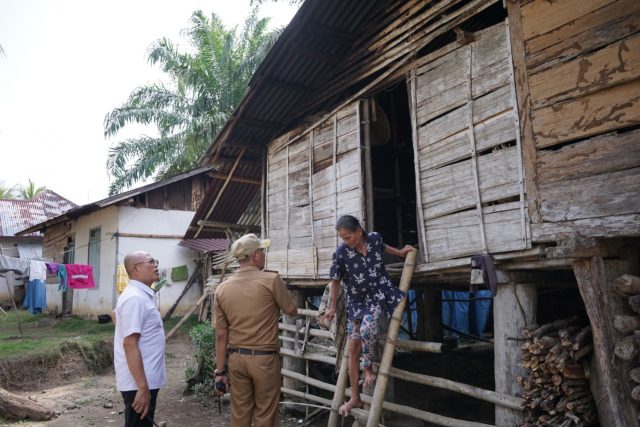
{"points": [[352, 403], [369, 377]]}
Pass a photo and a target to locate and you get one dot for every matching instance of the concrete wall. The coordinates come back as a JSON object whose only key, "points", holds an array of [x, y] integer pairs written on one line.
{"points": [[9, 248], [166, 250], [99, 300]]}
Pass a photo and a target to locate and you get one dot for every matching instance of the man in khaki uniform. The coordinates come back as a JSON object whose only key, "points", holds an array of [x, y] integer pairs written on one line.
{"points": [[246, 311]]}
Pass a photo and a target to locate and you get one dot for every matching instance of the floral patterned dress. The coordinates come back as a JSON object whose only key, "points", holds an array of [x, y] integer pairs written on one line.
{"points": [[366, 282]]}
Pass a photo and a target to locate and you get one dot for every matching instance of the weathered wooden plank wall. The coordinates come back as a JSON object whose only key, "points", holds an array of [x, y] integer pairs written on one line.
{"points": [[583, 71], [312, 178], [471, 195]]}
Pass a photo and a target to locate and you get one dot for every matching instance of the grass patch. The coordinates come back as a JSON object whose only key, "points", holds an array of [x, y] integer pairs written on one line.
{"points": [[45, 334], [185, 328]]}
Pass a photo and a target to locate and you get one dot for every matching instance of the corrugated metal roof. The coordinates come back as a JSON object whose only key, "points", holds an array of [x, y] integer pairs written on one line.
{"points": [[206, 245], [330, 52], [17, 215], [90, 207]]}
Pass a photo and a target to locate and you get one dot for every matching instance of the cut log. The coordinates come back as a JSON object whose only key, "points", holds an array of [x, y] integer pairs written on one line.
{"points": [[627, 348], [634, 302], [626, 324], [628, 284], [635, 393], [15, 407], [634, 374]]}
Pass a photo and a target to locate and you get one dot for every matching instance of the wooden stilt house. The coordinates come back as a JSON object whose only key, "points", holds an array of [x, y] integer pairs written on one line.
{"points": [[462, 127]]}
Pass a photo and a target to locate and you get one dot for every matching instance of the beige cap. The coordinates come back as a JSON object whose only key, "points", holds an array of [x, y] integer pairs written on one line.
{"points": [[248, 244]]}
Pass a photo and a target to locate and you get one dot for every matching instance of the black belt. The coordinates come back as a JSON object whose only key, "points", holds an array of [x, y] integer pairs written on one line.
{"points": [[252, 352]]}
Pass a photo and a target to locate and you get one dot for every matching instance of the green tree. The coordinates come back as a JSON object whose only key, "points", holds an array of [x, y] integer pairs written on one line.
{"points": [[206, 84], [6, 192], [29, 191]]}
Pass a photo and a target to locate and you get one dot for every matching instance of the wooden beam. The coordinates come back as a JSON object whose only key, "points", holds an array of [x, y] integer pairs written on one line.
{"points": [[523, 98], [236, 179], [147, 236], [224, 187]]}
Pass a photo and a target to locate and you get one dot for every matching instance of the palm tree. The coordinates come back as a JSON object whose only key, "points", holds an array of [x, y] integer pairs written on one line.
{"points": [[29, 191], [207, 83]]}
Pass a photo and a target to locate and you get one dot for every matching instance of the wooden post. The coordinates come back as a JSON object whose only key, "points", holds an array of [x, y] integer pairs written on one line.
{"points": [[292, 363], [433, 314], [612, 393], [341, 384], [390, 348], [10, 284], [514, 308]]}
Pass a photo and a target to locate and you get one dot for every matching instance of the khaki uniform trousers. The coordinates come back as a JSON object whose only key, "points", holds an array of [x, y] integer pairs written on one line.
{"points": [[255, 389]]}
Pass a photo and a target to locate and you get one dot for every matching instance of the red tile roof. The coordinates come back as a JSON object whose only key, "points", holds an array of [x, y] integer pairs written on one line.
{"points": [[16, 215]]}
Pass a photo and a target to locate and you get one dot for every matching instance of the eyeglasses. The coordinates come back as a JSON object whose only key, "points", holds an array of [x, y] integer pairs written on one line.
{"points": [[150, 261]]}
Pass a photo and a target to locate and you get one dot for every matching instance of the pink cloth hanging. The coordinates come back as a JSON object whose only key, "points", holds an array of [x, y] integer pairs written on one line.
{"points": [[80, 276]]}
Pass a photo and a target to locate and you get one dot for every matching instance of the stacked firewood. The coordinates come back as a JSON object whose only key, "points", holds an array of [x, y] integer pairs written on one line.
{"points": [[628, 348], [556, 389]]}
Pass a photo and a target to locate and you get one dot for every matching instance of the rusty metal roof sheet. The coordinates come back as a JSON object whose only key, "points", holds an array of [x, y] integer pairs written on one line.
{"points": [[90, 207], [17, 215]]}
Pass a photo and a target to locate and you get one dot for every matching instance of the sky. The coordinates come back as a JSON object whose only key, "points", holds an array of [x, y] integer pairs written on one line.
{"points": [[67, 63]]}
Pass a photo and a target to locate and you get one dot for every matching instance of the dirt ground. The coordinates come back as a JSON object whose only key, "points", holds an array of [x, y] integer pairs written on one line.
{"points": [[94, 401]]}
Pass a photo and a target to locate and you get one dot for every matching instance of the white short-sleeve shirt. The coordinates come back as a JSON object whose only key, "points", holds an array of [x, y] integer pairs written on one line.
{"points": [[136, 313]]}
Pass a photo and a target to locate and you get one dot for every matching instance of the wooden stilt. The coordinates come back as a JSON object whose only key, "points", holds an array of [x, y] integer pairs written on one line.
{"points": [[514, 308], [389, 348], [341, 383], [596, 281]]}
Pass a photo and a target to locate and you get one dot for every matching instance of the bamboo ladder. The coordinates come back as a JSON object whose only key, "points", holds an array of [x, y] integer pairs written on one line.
{"points": [[371, 417]]}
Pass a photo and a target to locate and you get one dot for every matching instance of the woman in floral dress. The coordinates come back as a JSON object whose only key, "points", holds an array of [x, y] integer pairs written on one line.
{"points": [[369, 291]]}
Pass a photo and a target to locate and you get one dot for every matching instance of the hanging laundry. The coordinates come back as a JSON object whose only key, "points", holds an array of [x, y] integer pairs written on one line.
{"points": [[37, 270], [122, 279], [53, 267], [35, 297], [18, 265], [62, 275], [79, 276]]}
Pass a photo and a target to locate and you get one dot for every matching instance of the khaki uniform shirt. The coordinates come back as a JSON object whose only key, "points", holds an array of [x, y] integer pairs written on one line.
{"points": [[248, 304]]}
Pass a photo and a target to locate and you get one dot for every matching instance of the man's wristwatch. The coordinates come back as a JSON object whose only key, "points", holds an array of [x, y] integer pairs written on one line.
{"points": [[220, 373]]}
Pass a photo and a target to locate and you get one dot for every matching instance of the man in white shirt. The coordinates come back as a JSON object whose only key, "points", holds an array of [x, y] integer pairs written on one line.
{"points": [[139, 343]]}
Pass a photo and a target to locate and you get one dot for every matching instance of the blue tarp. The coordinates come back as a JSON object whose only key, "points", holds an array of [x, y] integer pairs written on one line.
{"points": [[466, 312]]}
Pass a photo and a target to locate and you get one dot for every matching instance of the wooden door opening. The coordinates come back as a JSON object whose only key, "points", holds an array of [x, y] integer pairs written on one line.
{"points": [[392, 167]]}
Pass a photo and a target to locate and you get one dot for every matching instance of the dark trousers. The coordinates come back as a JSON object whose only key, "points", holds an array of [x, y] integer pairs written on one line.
{"points": [[131, 417]]}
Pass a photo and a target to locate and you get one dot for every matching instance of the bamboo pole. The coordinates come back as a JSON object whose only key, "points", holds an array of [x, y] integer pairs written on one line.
{"points": [[320, 346], [317, 357], [313, 332], [339, 390], [308, 312], [392, 407], [468, 390], [423, 346], [389, 348]]}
